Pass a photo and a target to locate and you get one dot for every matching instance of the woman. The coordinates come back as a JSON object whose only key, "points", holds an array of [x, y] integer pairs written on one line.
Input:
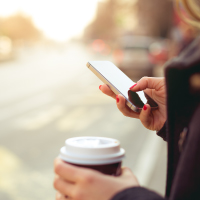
{"points": [[177, 121]]}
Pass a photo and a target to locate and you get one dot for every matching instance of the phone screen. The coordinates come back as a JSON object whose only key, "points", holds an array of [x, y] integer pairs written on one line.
{"points": [[120, 83], [134, 98]]}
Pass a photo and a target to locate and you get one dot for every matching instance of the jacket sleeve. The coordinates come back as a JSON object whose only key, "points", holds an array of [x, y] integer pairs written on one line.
{"points": [[162, 132], [137, 193]]}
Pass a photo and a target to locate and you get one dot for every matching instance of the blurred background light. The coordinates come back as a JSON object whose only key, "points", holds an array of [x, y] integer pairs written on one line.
{"points": [[59, 20]]}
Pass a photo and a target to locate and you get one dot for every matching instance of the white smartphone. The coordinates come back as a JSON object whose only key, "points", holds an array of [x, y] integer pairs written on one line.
{"points": [[119, 83]]}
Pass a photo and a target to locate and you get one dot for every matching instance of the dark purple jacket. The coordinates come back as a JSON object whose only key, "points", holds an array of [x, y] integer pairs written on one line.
{"points": [[181, 130]]}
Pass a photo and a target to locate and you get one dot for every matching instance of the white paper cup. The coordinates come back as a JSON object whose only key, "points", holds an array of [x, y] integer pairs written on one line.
{"points": [[99, 153]]}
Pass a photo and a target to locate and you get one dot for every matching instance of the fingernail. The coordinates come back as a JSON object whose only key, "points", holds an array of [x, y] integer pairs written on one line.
{"points": [[117, 99], [100, 87], [145, 107], [133, 86]]}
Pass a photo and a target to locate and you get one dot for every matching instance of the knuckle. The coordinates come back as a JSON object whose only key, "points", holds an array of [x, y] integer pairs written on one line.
{"points": [[144, 78], [147, 80], [88, 178], [58, 167]]}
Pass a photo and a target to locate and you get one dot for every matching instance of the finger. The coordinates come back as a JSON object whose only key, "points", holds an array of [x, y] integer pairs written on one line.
{"points": [[65, 188], [147, 82], [126, 111], [106, 90], [145, 116], [67, 171]]}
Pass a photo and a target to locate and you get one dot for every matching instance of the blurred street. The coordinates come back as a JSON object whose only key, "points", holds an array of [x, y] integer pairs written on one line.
{"points": [[49, 95]]}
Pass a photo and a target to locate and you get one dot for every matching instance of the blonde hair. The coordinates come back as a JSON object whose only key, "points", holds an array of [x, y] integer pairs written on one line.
{"points": [[192, 8]]}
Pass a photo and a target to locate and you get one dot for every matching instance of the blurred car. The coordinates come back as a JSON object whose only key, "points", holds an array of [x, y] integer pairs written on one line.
{"points": [[6, 48], [158, 52], [133, 56]]}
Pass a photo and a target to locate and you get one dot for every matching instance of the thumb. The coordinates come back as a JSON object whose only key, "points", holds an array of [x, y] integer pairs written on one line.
{"points": [[129, 177], [147, 82], [126, 172]]}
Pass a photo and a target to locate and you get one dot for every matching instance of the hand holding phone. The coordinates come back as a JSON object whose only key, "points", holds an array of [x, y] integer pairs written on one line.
{"points": [[119, 83]]}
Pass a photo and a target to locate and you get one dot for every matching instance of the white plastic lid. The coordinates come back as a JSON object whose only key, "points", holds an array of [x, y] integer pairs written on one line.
{"points": [[92, 151]]}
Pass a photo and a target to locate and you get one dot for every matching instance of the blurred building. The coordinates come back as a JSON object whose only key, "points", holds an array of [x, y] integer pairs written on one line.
{"points": [[154, 17], [141, 17], [104, 24]]}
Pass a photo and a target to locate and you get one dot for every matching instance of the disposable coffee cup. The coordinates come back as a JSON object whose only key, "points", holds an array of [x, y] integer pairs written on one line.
{"points": [[99, 153]]}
